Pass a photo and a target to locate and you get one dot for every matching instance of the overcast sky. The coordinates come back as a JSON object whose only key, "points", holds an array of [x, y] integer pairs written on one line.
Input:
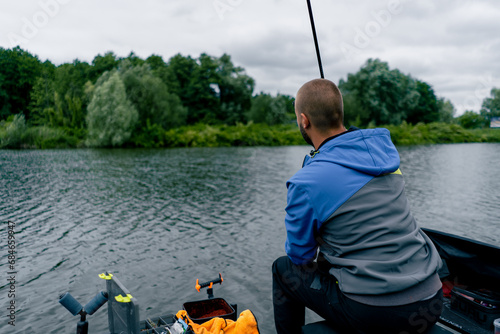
{"points": [[453, 45]]}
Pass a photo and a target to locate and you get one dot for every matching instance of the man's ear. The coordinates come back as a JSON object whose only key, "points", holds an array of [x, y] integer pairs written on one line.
{"points": [[305, 121]]}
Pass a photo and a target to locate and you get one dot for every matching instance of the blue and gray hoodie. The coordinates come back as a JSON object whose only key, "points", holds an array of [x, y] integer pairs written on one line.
{"points": [[348, 200]]}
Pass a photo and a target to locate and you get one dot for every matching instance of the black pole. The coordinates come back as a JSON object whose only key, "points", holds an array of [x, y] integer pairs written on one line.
{"points": [[83, 325], [315, 38]]}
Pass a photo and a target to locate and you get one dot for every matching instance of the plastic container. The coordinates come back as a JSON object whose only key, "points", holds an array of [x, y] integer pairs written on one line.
{"points": [[204, 310], [482, 306], [496, 324]]}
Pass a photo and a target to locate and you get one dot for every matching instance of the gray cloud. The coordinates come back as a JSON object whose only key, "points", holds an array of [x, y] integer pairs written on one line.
{"points": [[452, 44]]}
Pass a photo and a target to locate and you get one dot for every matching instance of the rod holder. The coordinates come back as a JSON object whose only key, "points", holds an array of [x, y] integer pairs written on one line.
{"points": [[75, 308]]}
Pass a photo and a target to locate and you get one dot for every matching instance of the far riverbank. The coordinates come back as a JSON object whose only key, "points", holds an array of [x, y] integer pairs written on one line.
{"points": [[203, 135]]}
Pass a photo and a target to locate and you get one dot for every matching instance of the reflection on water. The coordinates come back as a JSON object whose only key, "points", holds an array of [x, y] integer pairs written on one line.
{"points": [[159, 219]]}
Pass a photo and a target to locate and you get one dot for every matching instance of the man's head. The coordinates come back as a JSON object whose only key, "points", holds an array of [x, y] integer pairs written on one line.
{"points": [[319, 109]]}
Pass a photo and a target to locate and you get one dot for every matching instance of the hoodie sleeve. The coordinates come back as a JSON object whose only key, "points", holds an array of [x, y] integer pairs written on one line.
{"points": [[301, 225]]}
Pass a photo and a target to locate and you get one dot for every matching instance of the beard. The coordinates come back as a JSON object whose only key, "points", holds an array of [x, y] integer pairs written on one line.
{"points": [[305, 135]]}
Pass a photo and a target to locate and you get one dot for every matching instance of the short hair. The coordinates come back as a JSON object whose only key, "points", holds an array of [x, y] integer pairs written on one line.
{"points": [[321, 101]]}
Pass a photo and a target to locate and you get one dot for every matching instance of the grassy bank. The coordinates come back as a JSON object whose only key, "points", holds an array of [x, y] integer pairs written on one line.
{"points": [[238, 135], [16, 134], [440, 133], [263, 135]]}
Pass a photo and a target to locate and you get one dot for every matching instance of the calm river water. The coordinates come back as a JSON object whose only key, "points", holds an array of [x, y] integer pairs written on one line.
{"points": [[159, 219]]}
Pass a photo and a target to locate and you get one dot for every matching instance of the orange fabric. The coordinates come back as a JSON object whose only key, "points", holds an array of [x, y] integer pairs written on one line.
{"points": [[245, 324]]}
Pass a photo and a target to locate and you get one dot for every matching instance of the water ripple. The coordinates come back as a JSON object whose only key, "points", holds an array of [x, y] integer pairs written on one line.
{"points": [[159, 219]]}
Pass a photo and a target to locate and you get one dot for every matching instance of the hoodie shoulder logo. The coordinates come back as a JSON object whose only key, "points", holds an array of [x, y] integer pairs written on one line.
{"points": [[398, 172]]}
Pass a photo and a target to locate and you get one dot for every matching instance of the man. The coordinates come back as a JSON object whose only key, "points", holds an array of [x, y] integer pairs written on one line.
{"points": [[356, 256]]}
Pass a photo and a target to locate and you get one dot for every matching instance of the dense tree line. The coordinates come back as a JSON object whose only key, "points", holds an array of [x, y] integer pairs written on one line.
{"points": [[378, 95], [130, 96], [114, 101]]}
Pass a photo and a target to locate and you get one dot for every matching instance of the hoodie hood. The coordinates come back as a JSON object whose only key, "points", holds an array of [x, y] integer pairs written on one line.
{"points": [[368, 151]]}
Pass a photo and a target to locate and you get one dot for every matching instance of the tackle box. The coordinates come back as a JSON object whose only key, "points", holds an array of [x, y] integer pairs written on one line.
{"points": [[204, 310], [482, 306]]}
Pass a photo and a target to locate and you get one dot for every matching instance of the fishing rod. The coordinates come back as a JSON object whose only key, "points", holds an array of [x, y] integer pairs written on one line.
{"points": [[315, 39]]}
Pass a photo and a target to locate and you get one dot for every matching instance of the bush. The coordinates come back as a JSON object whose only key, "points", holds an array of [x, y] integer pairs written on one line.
{"points": [[44, 137], [472, 120], [15, 134], [151, 136], [437, 133], [12, 132], [267, 109], [237, 135]]}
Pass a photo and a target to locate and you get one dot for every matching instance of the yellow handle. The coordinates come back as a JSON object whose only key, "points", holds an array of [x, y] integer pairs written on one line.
{"points": [[122, 299], [106, 277]]}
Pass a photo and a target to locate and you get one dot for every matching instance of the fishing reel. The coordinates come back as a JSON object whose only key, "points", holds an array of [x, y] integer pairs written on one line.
{"points": [[75, 308]]}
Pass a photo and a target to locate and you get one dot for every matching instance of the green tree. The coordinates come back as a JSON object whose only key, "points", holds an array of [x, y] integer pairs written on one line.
{"points": [[42, 95], [427, 109], [59, 99], [446, 110], [159, 68], [19, 70], [354, 113], [377, 94], [471, 120], [102, 64], [69, 85], [133, 59], [491, 106], [212, 89], [43, 103], [156, 62], [111, 117], [268, 109], [235, 91], [178, 77], [204, 102], [289, 103], [151, 98]]}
